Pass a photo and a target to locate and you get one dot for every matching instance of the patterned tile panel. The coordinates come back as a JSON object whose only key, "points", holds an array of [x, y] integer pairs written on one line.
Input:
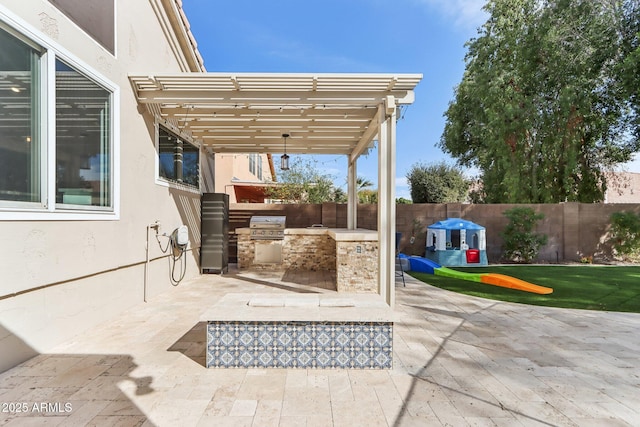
{"points": [[331, 345]]}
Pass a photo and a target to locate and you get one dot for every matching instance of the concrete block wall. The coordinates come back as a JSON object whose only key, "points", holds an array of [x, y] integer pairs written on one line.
{"points": [[573, 230], [492, 218]]}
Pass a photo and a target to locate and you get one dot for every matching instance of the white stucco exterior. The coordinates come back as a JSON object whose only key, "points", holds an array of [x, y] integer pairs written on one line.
{"points": [[65, 273]]}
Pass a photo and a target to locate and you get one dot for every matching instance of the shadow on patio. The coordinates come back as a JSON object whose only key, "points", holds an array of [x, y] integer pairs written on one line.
{"points": [[74, 389]]}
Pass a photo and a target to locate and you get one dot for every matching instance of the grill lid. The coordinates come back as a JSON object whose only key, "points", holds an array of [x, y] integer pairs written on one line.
{"points": [[268, 222]]}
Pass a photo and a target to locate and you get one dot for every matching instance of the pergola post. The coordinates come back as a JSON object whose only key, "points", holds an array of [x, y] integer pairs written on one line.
{"points": [[387, 199], [352, 195]]}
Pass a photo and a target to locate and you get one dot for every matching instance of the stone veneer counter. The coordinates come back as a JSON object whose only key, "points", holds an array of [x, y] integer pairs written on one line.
{"points": [[335, 331], [352, 254]]}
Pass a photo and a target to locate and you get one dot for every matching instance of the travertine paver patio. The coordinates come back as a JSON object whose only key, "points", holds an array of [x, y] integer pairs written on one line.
{"points": [[459, 361]]}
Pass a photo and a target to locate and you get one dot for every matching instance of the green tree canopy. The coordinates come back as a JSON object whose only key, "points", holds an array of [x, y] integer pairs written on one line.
{"points": [[362, 183], [549, 99], [368, 196], [437, 183], [403, 201], [364, 191], [304, 183]]}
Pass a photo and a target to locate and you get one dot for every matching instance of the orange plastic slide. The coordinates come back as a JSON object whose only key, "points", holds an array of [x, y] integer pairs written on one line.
{"points": [[513, 283]]}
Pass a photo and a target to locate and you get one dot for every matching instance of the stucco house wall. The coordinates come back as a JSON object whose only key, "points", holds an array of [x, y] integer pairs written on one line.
{"points": [[234, 168], [63, 276]]}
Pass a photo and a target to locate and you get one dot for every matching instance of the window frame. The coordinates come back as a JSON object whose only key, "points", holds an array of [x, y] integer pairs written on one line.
{"points": [[252, 164], [46, 208], [82, 207], [37, 92], [255, 165], [166, 182]]}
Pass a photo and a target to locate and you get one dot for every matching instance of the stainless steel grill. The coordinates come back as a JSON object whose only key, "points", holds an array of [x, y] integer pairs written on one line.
{"points": [[267, 227]]}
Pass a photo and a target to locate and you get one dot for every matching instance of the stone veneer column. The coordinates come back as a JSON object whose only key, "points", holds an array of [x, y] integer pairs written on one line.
{"points": [[246, 250], [357, 266]]}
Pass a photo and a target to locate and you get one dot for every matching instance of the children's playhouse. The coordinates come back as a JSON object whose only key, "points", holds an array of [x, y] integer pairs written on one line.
{"points": [[456, 242]]}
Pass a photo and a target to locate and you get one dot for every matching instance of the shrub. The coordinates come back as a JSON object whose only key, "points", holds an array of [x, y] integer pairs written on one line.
{"points": [[437, 183], [625, 233], [521, 244]]}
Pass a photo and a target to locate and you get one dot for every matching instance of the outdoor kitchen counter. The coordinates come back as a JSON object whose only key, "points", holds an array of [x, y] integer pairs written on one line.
{"points": [[300, 307], [339, 234], [308, 331], [352, 254]]}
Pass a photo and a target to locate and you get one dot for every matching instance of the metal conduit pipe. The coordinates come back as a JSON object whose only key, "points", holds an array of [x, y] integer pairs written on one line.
{"points": [[155, 225]]}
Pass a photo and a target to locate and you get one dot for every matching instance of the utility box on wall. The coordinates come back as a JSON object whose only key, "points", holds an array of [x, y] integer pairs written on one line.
{"points": [[214, 229]]}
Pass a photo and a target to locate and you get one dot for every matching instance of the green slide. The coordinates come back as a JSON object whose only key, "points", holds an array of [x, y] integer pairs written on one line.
{"points": [[447, 272]]}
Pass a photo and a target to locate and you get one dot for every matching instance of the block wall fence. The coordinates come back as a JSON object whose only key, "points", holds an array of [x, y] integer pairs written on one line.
{"points": [[574, 230]]}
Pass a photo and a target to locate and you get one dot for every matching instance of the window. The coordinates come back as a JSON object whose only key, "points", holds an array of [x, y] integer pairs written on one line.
{"points": [[252, 163], [455, 239], [83, 154], [20, 154], [178, 160], [475, 241], [57, 145], [432, 239], [255, 165]]}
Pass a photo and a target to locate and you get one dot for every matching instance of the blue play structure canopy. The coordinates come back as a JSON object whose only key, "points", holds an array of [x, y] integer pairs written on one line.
{"points": [[455, 224], [456, 242]]}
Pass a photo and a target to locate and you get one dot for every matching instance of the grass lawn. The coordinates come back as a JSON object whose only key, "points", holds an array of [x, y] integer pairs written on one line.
{"points": [[606, 288]]}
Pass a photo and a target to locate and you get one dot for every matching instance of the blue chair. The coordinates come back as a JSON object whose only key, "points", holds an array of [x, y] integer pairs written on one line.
{"points": [[399, 269]]}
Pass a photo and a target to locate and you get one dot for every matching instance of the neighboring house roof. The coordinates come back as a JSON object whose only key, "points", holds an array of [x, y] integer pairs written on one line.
{"points": [[170, 12], [272, 168]]}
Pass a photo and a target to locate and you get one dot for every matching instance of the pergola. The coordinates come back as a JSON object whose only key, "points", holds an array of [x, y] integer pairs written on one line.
{"points": [[322, 113]]}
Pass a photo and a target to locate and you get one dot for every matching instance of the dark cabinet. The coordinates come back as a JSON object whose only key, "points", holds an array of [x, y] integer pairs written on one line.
{"points": [[214, 229]]}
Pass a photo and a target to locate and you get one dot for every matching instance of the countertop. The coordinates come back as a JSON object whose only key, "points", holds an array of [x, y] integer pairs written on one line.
{"points": [[352, 307], [338, 234]]}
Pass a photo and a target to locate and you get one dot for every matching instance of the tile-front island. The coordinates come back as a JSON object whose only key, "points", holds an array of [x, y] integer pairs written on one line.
{"points": [[352, 254]]}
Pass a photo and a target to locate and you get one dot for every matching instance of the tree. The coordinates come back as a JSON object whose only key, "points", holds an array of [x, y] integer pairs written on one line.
{"points": [[368, 196], [521, 244], [365, 194], [437, 183], [304, 183], [363, 183], [625, 233], [546, 103], [339, 195]]}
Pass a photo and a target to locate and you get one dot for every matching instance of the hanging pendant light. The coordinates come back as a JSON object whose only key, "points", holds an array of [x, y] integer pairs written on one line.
{"points": [[284, 159]]}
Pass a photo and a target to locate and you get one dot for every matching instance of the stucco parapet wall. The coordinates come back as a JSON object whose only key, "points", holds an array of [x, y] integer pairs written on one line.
{"points": [[351, 307], [337, 234]]}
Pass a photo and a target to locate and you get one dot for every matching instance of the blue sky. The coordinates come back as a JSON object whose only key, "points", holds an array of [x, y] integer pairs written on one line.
{"points": [[350, 36]]}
